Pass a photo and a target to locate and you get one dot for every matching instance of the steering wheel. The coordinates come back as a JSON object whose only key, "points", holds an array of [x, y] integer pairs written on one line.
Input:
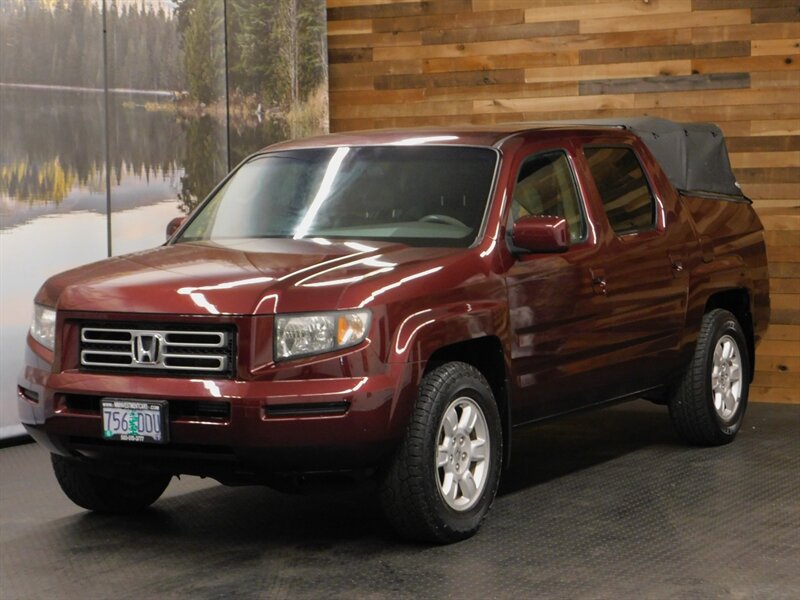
{"points": [[448, 220]]}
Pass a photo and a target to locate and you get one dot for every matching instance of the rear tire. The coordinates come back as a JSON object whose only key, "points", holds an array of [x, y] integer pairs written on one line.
{"points": [[708, 406], [107, 494], [443, 479]]}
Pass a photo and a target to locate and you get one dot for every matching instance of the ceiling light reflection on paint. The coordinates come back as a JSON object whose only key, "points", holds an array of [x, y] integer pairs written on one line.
{"points": [[211, 387], [417, 141], [360, 247], [346, 280], [196, 293], [397, 284], [371, 261]]}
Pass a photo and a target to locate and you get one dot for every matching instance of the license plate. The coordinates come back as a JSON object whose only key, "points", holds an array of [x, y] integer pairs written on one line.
{"points": [[135, 420]]}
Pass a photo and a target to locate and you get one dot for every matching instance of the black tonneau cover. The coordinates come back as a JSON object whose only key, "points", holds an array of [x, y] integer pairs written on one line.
{"points": [[693, 155]]}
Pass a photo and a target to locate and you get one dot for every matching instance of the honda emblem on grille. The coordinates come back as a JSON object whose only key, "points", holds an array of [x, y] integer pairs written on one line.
{"points": [[147, 348]]}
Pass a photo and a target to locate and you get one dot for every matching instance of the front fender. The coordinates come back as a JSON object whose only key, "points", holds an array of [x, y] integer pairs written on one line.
{"points": [[423, 332]]}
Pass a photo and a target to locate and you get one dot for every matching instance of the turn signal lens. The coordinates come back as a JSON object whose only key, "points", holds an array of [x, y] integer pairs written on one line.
{"points": [[352, 328]]}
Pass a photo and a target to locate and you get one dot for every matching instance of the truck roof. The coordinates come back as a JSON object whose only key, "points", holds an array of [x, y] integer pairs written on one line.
{"points": [[693, 155], [471, 135]]}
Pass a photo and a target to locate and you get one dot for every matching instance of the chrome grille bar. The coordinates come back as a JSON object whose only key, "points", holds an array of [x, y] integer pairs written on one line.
{"points": [[184, 350]]}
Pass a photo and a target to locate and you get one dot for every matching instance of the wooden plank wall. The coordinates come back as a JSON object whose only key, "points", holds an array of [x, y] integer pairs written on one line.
{"points": [[734, 62]]}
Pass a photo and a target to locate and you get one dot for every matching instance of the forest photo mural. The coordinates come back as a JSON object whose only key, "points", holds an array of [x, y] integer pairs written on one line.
{"points": [[195, 86]]}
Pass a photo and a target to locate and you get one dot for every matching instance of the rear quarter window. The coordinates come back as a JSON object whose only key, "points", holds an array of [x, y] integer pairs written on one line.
{"points": [[623, 187]]}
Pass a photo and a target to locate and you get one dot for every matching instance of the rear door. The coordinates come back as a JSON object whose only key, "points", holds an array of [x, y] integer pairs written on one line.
{"points": [[640, 272]]}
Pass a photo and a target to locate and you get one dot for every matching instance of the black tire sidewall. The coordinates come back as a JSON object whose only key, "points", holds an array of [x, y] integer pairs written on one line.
{"points": [[462, 522], [726, 324]]}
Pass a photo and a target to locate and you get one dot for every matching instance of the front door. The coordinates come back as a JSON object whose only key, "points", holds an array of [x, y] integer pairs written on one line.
{"points": [[553, 308]]}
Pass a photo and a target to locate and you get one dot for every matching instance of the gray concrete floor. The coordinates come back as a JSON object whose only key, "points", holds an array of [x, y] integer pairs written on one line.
{"points": [[608, 504]]}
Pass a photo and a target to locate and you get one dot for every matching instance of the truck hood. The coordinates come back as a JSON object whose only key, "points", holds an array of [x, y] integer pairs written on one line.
{"points": [[248, 276]]}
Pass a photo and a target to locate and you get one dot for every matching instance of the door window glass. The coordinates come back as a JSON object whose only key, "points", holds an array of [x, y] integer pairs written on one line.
{"points": [[545, 187], [623, 188]]}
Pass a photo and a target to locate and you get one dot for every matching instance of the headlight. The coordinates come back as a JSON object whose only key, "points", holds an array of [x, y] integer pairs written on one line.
{"points": [[43, 328], [301, 335]]}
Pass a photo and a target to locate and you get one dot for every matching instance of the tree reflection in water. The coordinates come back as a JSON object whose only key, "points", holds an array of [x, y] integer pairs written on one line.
{"points": [[203, 163], [53, 145]]}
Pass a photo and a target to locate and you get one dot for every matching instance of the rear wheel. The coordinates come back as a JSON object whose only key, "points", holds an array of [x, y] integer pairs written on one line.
{"points": [[708, 406], [443, 478], [107, 494]]}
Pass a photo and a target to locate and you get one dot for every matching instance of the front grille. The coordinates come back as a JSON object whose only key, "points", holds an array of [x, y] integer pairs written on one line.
{"points": [[178, 349]]}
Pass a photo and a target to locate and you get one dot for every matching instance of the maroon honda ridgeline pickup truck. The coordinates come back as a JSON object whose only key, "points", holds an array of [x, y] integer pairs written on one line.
{"points": [[396, 304]]}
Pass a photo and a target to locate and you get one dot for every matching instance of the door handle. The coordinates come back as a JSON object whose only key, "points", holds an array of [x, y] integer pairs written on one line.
{"points": [[599, 284], [677, 263]]}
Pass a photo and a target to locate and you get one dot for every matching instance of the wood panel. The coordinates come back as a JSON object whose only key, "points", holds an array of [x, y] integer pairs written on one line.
{"points": [[734, 62]]}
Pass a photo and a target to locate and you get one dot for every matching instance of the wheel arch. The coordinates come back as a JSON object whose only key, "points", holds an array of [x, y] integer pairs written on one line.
{"points": [[485, 354]]}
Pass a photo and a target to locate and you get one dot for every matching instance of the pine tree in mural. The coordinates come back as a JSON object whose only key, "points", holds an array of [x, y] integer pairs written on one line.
{"points": [[251, 37], [201, 24], [144, 50], [277, 50], [290, 51], [312, 31]]}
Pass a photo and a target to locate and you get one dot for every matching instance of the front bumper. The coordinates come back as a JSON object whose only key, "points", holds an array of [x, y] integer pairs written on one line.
{"points": [[272, 426]]}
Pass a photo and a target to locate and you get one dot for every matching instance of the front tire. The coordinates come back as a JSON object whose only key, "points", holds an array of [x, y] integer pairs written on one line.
{"points": [[708, 405], [105, 493], [443, 479]]}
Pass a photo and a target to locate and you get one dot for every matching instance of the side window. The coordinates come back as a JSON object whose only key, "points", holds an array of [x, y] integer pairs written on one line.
{"points": [[627, 199], [545, 186]]}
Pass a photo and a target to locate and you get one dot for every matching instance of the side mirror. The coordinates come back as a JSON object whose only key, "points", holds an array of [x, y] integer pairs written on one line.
{"points": [[541, 234], [174, 225]]}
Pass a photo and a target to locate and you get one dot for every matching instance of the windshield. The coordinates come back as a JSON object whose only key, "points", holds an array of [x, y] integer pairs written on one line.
{"points": [[418, 195]]}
